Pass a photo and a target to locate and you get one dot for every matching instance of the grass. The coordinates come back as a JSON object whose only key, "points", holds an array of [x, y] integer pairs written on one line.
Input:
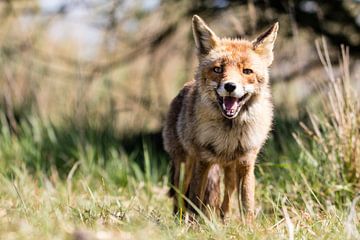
{"points": [[83, 181], [46, 207], [88, 204]]}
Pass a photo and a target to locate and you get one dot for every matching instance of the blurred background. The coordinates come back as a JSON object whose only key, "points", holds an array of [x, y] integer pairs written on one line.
{"points": [[95, 77]]}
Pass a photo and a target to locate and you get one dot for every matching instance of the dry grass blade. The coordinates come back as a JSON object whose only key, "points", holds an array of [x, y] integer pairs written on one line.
{"points": [[336, 129], [289, 224], [352, 221]]}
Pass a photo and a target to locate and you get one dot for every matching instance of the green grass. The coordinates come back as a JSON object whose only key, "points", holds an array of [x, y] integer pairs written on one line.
{"points": [[56, 184]]}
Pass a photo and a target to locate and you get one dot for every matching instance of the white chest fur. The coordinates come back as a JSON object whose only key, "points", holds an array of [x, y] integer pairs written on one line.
{"points": [[227, 137]]}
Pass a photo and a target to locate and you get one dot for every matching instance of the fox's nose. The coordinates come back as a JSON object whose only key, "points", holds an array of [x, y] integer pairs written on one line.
{"points": [[230, 86]]}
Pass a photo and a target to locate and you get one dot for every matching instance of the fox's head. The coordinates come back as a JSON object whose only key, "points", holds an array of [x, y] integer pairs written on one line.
{"points": [[232, 72]]}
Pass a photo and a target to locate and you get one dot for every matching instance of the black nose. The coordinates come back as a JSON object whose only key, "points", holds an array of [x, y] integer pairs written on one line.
{"points": [[230, 86]]}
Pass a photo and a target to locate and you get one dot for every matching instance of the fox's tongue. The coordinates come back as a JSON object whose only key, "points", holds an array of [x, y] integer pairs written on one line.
{"points": [[230, 104]]}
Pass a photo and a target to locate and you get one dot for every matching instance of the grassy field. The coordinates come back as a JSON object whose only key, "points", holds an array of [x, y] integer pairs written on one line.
{"points": [[81, 181], [296, 196]]}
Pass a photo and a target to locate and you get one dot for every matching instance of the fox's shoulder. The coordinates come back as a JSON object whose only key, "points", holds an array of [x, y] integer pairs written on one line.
{"points": [[180, 99], [188, 87], [184, 93]]}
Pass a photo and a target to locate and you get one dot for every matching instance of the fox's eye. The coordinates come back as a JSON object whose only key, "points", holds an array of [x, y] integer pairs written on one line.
{"points": [[247, 71], [218, 69]]}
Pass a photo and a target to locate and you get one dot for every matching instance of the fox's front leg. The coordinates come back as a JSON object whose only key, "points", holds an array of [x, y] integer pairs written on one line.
{"points": [[212, 190], [246, 170], [198, 184], [230, 180], [248, 193]]}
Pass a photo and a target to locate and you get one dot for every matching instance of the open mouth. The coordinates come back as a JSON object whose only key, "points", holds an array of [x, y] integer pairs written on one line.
{"points": [[231, 106]]}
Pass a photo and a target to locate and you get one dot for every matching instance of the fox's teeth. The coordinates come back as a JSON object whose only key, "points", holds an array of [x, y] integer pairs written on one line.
{"points": [[230, 112], [223, 105]]}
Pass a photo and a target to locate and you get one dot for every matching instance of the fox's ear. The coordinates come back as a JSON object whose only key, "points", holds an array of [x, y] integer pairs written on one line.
{"points": [[264, 44], [205, 38]]}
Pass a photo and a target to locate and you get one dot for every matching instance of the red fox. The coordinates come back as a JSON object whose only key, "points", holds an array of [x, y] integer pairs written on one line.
{"points": [[220, 120]]}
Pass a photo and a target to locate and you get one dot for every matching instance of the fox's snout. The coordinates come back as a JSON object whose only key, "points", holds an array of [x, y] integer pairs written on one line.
{"points": [[230, 86], [234, 89]]}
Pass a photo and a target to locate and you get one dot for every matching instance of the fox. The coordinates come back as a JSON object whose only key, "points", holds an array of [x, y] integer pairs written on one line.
{"points": [[219, 121]]}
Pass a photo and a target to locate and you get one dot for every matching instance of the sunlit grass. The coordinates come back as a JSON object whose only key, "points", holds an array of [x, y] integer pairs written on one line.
{"points": [[46, 207]]}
